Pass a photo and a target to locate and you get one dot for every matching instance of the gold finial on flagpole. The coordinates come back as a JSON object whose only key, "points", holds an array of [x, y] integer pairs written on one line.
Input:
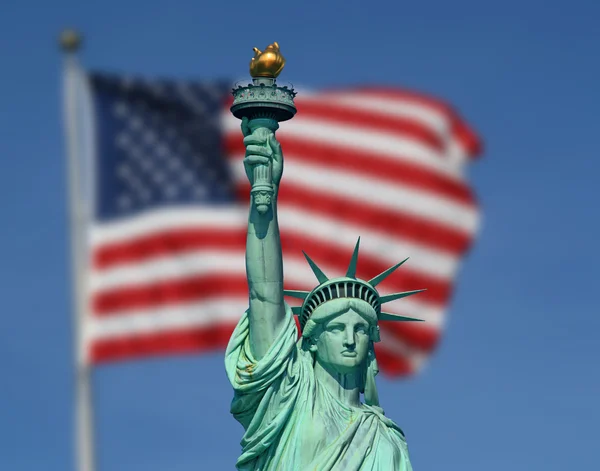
{"points": [[70, 40]]}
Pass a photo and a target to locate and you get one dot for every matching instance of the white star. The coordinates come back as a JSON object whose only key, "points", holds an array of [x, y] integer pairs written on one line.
{"points": [[122, 140], [149, 137], [158, 177], [157, 88], [145, 195], [120, 109], [135, 123], [162, 150], [146, 165], [171, 191], [127, 82], [124, 202], [198, 161], [188, 178], [124, 171], [199, 191], [135, 152], [183, 146], [212, 174], [173, 164], [171, 133]]}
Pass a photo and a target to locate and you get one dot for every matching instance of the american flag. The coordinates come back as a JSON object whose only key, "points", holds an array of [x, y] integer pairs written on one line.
{"points": [[167, 234]]}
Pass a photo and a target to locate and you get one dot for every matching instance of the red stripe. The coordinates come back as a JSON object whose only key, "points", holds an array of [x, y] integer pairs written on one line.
{"points": [[420, 337], [193, 288], [391, 363], [347, 115], [463, 132], [165, 293], [416, 334], [388, 221], [392, 93], [161, 343], [203, 339], [334, 157], [167, 242]]}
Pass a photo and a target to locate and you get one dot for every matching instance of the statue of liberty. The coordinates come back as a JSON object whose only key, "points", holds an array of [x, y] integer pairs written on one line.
{"points": [[299, 400]]}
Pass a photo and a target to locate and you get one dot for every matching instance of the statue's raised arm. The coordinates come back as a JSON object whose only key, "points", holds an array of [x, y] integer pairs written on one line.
{"points": [[264, 265], [261, 106]]}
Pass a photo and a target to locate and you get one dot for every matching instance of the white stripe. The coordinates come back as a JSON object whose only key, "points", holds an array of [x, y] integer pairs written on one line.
{"points": [[392, 107], [168, 318], [408, 108], [297, 272], [374, 244], [185, 316], [386, 144], [167, 218], [439, 122], [371, 191]]}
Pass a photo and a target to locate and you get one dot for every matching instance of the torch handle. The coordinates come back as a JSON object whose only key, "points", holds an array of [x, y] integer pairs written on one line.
{"points": [[262, 187], [262, 177]]}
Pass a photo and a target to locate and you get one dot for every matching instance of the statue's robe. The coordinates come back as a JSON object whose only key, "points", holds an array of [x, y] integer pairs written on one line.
{"points": [[292, 423]]}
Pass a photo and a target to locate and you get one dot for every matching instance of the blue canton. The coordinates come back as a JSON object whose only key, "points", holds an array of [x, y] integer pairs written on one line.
{"points": [[159, 143]]}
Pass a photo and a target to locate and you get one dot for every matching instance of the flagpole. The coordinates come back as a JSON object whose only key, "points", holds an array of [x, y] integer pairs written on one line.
{"points": [[84, 425]]}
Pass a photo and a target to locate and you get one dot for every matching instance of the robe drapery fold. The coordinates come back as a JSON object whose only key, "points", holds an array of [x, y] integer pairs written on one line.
{"points": [[294, 424]]}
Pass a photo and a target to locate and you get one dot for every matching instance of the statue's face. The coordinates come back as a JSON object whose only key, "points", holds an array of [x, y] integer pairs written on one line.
{"points": [[343, 343]]}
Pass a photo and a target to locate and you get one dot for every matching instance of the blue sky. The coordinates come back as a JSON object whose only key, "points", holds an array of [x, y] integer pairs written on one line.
{"points": [[515, 382]]}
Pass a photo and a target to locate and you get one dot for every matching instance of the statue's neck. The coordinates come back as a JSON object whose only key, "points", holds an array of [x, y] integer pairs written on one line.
{"points": [[344, 387]]}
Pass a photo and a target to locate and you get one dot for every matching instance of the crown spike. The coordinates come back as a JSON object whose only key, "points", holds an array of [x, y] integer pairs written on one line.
{"points": [[296, 294], [316, 270], [390, 297], [382, 276], [390, 316], [351, 273]]}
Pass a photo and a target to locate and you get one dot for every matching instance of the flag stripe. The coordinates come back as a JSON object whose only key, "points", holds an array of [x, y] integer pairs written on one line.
{"points": [[387, 145], [187, 340], [333, 158], [459, 129], [217, 308], [216, 336], [172, 291], [231, 263], [176, 241], [164, 331], [318, 108]]}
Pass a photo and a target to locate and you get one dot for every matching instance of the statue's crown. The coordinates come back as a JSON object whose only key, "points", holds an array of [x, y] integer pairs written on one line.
{"points": [[347, 287]]}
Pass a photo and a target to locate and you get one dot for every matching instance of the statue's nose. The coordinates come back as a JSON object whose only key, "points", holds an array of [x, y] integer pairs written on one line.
{"points": [[349, 338]]}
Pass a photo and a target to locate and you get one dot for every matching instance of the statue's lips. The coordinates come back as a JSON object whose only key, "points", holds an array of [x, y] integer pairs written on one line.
{"points": [[349, 354]]}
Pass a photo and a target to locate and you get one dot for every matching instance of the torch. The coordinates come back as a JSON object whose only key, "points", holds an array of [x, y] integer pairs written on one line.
{"points": [[265, 104]]}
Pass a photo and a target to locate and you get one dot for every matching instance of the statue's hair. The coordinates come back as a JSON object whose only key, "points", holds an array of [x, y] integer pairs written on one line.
{"points": [[336, 307]]}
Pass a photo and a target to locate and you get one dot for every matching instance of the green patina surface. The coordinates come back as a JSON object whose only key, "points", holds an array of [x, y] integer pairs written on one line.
{"points": [[307, 403]]}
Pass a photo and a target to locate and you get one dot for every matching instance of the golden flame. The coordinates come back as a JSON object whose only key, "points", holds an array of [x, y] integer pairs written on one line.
{"points": [[267, 63]]}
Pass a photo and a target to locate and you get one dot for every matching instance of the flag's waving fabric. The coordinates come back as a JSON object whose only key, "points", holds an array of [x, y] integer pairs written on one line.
{"points": [[170, 207]]}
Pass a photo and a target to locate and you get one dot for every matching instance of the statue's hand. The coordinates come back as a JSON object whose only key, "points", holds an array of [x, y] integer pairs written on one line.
{"points": [[261, 148]]}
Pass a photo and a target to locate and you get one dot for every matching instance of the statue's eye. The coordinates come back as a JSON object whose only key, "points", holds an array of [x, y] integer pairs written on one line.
{"points": [[361, 328], [335, 328]]}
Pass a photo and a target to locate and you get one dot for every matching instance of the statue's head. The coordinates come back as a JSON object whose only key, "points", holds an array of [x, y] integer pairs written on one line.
{"points": [[339, 320], [340, 334]]}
